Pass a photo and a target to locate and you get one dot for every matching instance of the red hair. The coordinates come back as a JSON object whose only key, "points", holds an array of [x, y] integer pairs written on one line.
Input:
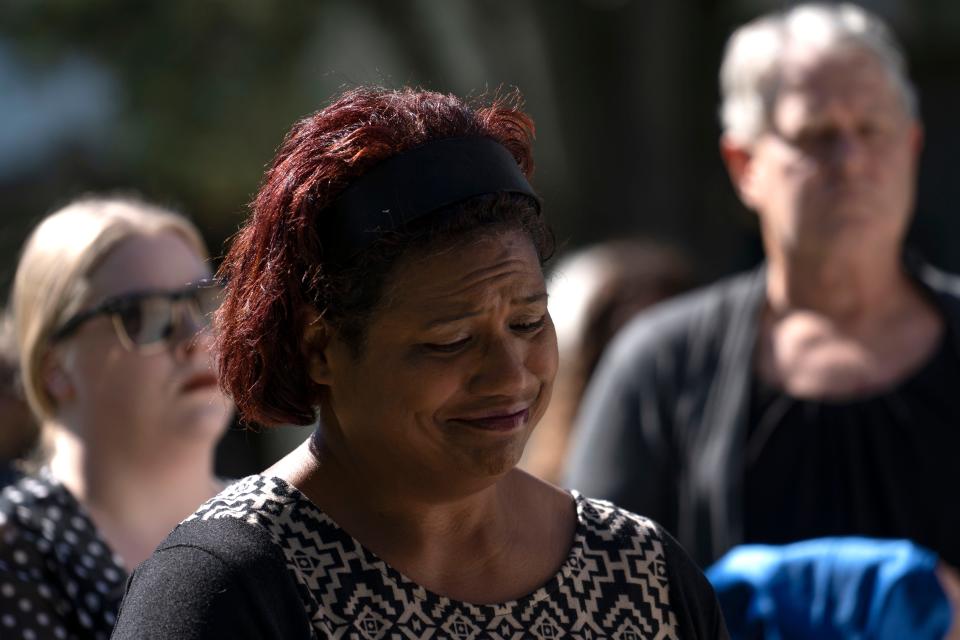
{"points": [[275, 266]]}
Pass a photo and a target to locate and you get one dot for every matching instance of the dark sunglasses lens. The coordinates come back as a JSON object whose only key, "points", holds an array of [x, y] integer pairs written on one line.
{"points": [[147, 320]]}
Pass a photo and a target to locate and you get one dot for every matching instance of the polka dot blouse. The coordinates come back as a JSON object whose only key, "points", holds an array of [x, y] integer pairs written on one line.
{"points": [[58, 578]]}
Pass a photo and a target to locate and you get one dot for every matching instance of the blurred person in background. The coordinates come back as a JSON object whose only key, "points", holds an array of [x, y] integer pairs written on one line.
{"points": [[18, 430], [593, 293], [816, 396], [389, 281], [110, 301]]}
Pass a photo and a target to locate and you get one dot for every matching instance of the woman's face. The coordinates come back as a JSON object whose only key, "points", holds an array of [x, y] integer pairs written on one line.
{"points": [[456, 370], [128, 400]]}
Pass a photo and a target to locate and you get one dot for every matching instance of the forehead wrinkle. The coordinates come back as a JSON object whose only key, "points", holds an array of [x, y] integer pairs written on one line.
{"points": [[478, 287], [473, 293], [470, 312]]}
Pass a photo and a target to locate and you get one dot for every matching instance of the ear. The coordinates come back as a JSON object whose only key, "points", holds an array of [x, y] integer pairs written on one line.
{"points": [[316, 336], [56, 381], [738, 159], [917, 136]]}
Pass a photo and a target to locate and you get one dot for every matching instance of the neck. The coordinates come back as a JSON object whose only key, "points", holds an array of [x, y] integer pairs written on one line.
{"points": [[400, 521], [841, 287], [134, 502]]}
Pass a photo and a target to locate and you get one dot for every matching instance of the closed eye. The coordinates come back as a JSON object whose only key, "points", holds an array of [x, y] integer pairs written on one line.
{"points": [[530, 327], [446, 347]]}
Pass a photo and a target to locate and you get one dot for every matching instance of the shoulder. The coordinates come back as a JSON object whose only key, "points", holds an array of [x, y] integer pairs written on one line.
{"points": [[223, 543], [235, 526], [700, 315], [218, 577], [31, 498], [35, 513], [605, 520], [649, 556], [56, 572]]}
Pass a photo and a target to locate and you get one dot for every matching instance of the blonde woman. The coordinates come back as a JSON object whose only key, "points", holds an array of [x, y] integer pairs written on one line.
{"points": [[111, 302]]}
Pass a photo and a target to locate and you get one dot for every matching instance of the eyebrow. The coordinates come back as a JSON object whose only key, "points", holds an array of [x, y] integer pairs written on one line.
{"points": [[531, 299]]}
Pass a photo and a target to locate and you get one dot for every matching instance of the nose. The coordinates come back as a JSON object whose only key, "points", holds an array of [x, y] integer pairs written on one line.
{"points": [[849, 153], [502, 369]]}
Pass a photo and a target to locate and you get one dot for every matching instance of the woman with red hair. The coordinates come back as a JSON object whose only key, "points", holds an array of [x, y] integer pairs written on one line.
{"points": [[388, 287]]}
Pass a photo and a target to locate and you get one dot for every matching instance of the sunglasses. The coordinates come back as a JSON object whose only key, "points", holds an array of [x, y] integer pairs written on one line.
{"points": [[153, 321]]}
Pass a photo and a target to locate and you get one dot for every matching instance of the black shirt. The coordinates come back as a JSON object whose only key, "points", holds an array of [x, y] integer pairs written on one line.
{"points": [[884, 466], [262, 561]]}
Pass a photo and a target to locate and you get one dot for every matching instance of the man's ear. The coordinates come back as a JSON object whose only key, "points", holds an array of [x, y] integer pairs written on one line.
{"points": [[917, 136], [317, 334], [738, 159]]}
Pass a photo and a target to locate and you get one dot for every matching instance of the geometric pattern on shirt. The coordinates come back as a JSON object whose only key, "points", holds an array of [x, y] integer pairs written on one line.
{"points": [[59, 580], [613, 584]]}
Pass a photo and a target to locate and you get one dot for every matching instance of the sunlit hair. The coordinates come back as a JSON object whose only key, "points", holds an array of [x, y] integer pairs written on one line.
{"points": [[53, 276], [277, 267], [752, 62]]}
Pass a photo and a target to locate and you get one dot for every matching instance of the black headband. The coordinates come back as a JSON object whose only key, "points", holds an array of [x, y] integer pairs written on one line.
{"points": [[418, 182]]}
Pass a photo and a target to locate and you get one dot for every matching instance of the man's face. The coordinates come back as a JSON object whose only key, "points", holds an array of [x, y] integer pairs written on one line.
{"points": [[837, 165]]}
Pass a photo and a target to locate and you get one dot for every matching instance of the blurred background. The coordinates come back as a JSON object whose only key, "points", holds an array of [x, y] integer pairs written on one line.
{"points": [[185, 102]]}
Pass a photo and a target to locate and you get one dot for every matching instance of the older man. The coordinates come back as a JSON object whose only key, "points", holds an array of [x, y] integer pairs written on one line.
{"points": [[820, 394]]}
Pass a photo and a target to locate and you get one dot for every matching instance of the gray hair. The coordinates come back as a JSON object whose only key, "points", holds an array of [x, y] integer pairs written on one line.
{"points": [[749, 74]]}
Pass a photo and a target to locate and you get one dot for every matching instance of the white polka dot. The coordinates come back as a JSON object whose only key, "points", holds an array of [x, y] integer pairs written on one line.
{"points": [[43, 546], [7, 589], [110, 618], [20, 556], [24, 604], [71, 588], [14, 496], [95, 548], [8, 620], [54, 513], [70, 536], [44, 591], [84, 619], [60, 632], [28, 634], [111, 574], [102, 586], [78, 523], [43, 619], [88, 562], [3, 518], [92, 600]]}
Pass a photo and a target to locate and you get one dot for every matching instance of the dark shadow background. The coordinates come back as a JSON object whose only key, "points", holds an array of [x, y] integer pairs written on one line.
{"points": [[185, 102]]}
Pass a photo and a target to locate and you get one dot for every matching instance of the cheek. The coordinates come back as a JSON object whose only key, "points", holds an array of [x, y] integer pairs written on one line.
{"points": [[123, 379], [543, 358]]}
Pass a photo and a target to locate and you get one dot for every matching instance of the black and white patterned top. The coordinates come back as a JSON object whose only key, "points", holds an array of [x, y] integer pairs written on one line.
{"points": [[58, 577], [261, 560]]}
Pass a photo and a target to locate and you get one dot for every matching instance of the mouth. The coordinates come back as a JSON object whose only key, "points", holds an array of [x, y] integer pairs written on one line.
{"points": [[499, 421], [199, 382]]}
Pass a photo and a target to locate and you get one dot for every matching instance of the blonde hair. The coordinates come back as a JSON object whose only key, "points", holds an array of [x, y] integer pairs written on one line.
{"points": [[52, 279], [750, 72]]}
